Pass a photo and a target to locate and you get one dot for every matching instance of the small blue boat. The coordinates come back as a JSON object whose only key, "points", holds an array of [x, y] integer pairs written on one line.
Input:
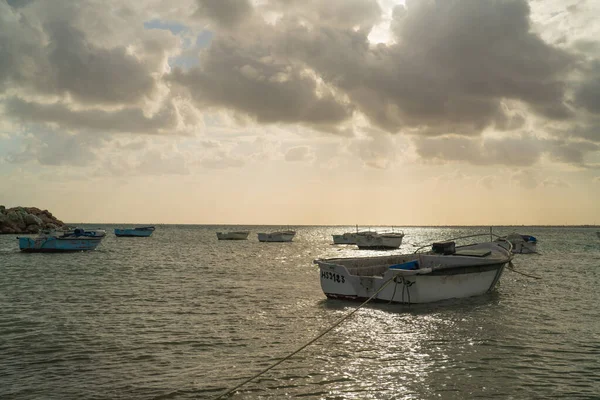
{"points": [[54, 242], [143, 231]]}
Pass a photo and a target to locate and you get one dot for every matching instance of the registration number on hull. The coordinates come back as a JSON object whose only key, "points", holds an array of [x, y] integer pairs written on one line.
{"points": [[333, 276]]}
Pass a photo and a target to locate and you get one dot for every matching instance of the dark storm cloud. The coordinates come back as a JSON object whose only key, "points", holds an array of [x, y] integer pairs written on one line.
{"points": [[585, 128], [130, 120], [18, 3], [453, 65], [587, 93], [226, 13], [93, 74], [21, 61], [55, 58], [571, 152], [589, 129], [249, 80], [455, 62], [248, 70], [454, 68]]}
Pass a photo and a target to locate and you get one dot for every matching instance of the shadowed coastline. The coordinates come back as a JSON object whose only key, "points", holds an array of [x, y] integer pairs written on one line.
{"points": [[27, 220]]}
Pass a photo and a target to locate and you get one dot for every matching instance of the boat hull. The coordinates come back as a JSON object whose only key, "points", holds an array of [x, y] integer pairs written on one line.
{"points": [[430, 278], [276, 237], [242, 235], [57, 245], [524, 247], [133, 233], [411, 290], [378, 242], [522, 244], [346, 238]]}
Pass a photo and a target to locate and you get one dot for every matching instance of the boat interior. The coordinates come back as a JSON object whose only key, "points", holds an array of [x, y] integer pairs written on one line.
{"points": [[372, 266]]}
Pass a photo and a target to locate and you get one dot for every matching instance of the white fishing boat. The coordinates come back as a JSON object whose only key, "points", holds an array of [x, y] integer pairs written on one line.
{"points": [[234, 235], [522, 244], [277, 236], [348, 237], [379, 241], [345, 238], [447, 271]]}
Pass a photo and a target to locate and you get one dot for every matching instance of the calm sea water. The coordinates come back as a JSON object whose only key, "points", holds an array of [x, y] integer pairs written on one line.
{"points": [[181, 315]]}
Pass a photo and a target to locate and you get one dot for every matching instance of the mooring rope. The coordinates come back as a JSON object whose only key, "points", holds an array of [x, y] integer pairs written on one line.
{"points": [[457, 238], [320, 335], [512, 268], [394, 294], [530, 252]]}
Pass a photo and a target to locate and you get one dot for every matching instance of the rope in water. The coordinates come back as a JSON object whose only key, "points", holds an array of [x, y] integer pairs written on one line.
{"points": [[512, 268], [339, 321]]}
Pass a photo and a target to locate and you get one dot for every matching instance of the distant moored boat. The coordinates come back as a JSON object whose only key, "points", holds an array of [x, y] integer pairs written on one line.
{"points": [[522, 244], [143, 231], [379, 241], [53, 242], [344, 238], [278, 236], [348, 237], [235, 235]]}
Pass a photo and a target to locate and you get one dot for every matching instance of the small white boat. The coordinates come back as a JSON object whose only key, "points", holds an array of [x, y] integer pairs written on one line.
{"points": [[522, 244], [235, 235], [379, 241], [278, 236], [445, 272], [345, 238], [348, 237]]}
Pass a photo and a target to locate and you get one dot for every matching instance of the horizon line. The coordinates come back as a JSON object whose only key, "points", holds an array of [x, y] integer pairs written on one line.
{"points": [[343, 225]]}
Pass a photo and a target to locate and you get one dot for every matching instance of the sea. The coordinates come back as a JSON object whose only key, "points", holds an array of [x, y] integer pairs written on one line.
{"points": [[181, 315]]}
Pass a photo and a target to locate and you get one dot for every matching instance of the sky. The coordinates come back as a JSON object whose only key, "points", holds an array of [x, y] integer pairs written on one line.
{"points": [[287, 112]]}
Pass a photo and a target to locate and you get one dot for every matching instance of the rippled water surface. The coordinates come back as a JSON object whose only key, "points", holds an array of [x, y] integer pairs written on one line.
{"points": [[181, 315]]}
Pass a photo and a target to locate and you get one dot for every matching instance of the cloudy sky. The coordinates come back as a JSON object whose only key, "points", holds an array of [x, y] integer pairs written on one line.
{"points": [[369, 112]]}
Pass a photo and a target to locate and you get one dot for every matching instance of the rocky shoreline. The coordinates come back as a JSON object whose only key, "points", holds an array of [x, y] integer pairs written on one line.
{"points": [[27, 220]]}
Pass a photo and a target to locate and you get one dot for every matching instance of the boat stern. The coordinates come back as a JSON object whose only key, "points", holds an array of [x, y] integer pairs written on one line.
{"points": [[336, 281], [25, 243]]}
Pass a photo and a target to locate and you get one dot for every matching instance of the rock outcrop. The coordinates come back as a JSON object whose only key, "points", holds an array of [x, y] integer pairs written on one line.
{"points": [[27, 220]]}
